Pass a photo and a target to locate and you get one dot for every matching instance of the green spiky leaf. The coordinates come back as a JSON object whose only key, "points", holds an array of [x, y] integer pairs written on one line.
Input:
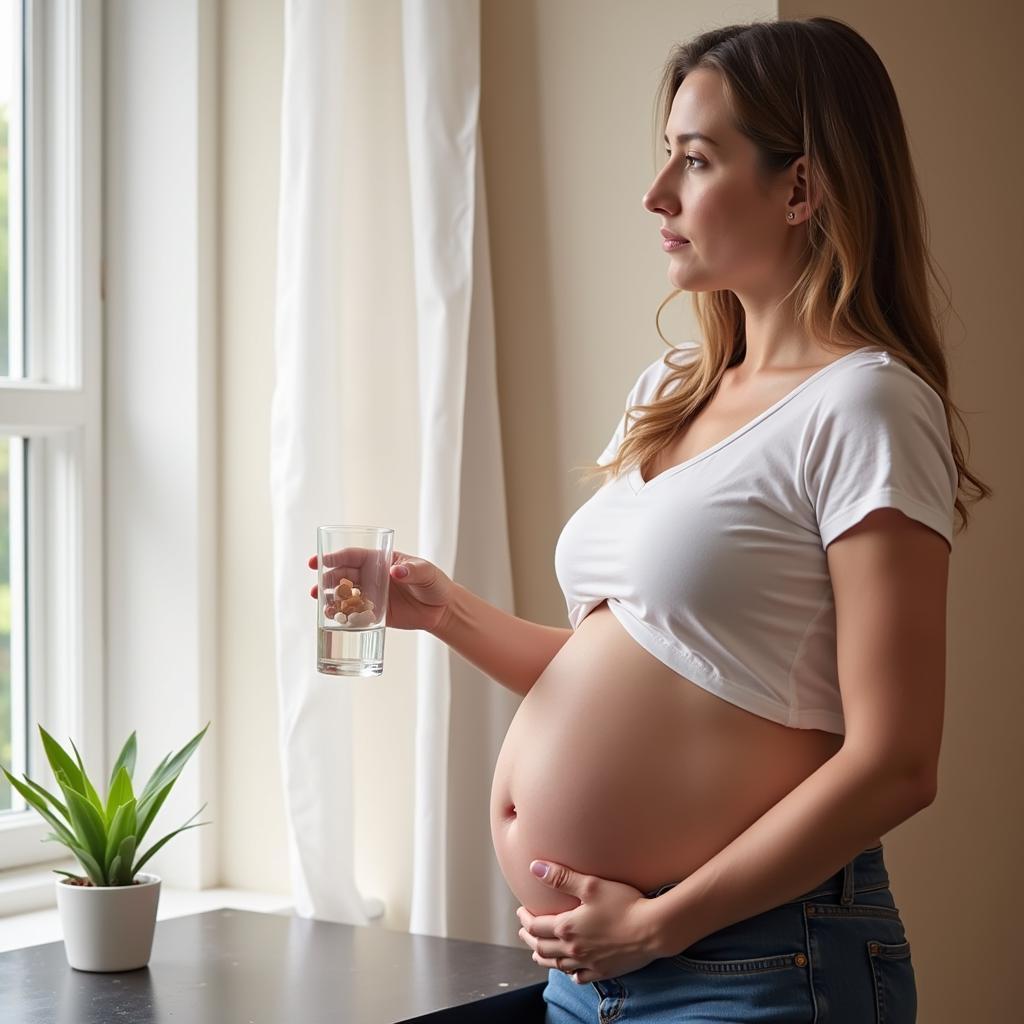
{"points": [[151, 782], [88, 790], [35, 801], [92, 868], [170, 835], [147, 810], [120, 792], [59, 758], [169, 770], [90, 827], [122, 826], [121, 869], [126, 760], [49, 797], [68, 873]]}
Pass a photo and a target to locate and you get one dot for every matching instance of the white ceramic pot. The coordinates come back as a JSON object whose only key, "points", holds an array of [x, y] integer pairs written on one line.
{"points": [[108, 928]]}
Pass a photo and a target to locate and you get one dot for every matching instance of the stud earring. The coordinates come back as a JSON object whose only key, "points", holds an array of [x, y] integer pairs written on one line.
{"points": [[791, 215]]}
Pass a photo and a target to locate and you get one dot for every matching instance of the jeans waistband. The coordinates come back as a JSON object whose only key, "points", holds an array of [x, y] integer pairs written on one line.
{"points": [[866, 871]]}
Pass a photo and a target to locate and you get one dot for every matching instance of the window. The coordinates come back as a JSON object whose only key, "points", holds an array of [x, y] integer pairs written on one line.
{"points": [[51, 623], [12, 355]]}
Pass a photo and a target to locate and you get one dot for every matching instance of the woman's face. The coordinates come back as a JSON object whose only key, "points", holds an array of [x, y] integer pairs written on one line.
{"points": [[708, 192]]}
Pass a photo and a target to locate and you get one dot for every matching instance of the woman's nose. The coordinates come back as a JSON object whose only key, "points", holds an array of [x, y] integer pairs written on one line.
{"points": [[659, 200]]}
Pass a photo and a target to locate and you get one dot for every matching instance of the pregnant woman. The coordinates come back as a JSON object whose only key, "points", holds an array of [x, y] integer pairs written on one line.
{"points": [[751, 691]]}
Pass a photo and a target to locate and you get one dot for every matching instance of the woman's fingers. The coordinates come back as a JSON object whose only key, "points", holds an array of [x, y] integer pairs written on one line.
{"points": [[343, 564], [350, 556]]}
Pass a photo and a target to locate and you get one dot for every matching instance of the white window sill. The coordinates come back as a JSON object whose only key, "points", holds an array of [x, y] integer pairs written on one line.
{"points": [[35, 927]]}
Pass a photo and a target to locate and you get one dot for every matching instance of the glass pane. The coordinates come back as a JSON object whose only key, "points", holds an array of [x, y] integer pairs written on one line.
{"points": [[10, 185], [6, 719]]}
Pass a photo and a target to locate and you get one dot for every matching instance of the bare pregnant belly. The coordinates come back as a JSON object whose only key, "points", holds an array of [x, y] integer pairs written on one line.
{"points": [[617, 766]]}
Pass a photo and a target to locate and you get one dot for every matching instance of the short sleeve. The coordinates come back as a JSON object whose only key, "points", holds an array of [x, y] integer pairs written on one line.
{"points": [[880, 440]]}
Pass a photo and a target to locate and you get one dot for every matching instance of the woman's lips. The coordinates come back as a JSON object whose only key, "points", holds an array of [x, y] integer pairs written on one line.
{"points": [[673, 243]]}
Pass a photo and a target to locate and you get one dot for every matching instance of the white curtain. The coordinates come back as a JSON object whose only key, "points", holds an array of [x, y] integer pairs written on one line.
{"points": [[461, 508]]}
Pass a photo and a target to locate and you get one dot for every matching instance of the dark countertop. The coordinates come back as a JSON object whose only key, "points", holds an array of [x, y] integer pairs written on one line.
{"points": [[241, 967]]}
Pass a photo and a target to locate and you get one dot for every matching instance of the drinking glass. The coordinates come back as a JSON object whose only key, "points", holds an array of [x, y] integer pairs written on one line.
{"points": [[353, 570]]}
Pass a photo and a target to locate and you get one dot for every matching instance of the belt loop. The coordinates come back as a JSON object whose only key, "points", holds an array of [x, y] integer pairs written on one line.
{"points": [[847, 897]]}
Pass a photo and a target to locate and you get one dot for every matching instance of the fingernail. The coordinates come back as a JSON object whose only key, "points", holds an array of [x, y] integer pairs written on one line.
{"points": [[540, 869]]}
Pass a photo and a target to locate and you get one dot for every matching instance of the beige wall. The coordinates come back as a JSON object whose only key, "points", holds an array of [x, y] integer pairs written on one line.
{"points": [[578, 274]]}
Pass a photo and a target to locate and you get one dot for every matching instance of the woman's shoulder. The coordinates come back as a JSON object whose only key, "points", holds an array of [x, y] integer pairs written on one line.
{"points": [[876, 379]]}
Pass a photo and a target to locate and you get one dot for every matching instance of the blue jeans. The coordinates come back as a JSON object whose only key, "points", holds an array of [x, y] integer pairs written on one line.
{"points": [[838, 954]]}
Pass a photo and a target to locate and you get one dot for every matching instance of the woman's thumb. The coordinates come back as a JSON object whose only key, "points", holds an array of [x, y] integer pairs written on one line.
{"points": [[400, 570]]}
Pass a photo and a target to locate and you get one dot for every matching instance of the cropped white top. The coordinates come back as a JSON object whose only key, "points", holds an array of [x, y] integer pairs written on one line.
{"points": [[717, 565]]}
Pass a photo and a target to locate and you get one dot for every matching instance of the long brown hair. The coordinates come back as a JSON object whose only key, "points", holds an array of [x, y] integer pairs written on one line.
{"points": [[813, 87]]}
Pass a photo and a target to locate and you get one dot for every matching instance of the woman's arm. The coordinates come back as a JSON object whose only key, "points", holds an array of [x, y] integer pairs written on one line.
{"points": [[806, 837], [512, 651]]}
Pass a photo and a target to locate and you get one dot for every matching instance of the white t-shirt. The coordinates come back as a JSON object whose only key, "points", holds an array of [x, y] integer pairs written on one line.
{"points": [[717, 565]]}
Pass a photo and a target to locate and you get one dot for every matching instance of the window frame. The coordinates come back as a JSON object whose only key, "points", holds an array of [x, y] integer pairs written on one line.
{"points": [[59, 408]]}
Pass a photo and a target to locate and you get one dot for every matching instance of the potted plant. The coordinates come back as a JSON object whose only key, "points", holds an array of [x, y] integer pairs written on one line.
{"points": [[107, 917]]}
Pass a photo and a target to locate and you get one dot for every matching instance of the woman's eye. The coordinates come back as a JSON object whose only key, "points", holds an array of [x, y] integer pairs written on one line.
{"points": [[696, 159]]}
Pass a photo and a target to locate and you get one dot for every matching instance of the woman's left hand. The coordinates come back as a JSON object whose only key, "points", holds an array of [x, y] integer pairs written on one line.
{"points": [[610, 933]]}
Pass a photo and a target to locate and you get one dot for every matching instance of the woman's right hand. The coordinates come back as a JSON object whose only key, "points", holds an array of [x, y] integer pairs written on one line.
{"points": [[419, 600]]}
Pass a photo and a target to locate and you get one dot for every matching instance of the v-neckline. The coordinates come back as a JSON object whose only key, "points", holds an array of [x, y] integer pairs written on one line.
{"points": [[639, 485]]}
